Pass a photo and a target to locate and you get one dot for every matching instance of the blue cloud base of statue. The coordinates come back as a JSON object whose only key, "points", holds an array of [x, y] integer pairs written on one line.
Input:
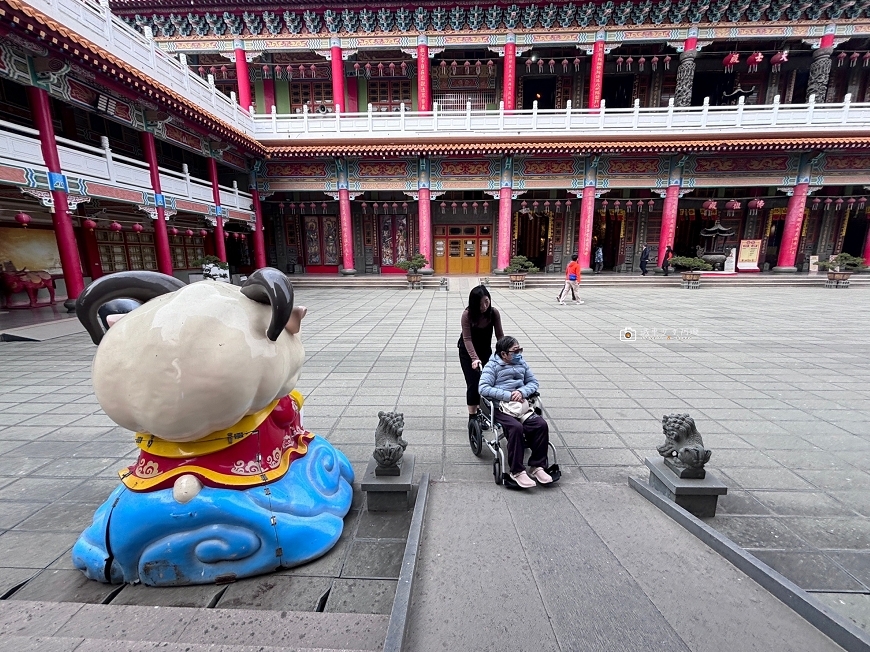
{"points": [[220, 534]]}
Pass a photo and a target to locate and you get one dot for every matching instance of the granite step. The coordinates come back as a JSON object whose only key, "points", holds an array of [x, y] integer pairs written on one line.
{"points": [[146, 628], [72, 644]]}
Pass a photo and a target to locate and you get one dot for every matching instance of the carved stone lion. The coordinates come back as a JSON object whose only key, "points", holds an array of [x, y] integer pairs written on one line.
{"points": [[683, 449], [389, 445]]}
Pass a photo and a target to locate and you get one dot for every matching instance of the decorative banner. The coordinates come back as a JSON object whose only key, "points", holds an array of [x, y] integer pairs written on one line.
{"points": [[747, 257], [814, 264]]}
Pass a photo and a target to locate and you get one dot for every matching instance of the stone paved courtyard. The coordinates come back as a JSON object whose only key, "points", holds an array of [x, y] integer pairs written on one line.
{"points": [[774, 377]]}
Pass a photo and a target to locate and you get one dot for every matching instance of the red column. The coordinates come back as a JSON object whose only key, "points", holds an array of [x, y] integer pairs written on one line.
{"points": [[669, 221], [161, 237], [596, 77], [346, 231], [424, 97], [424, 215], [220, 244], [259, 241], [510, 75], [337, 74], [63, 228], [584, 229], [504, 227], [866, 254], [268, 95], [242, 77], [792, 230]]}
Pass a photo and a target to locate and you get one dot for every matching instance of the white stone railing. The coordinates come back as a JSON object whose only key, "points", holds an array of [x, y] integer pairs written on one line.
{"points": [[97, 24], [774, 119], [20, 146]]}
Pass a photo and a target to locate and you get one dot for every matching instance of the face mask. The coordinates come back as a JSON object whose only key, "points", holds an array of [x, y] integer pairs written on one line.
{"points": [[516, 358]]}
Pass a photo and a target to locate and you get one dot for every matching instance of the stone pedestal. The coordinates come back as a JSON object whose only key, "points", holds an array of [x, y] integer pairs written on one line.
{"points": [[390, 493], [698, 497]]}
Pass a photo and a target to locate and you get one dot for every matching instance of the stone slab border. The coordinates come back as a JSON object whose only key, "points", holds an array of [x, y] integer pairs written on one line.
{"points": [[836, 627], [398, 625]]}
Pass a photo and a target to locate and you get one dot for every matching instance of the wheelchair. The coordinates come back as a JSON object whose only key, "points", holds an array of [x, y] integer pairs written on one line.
{"points": [[500, 467]]}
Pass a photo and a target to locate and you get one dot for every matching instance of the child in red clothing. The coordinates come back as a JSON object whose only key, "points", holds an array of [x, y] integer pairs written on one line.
{"points": [[572, 282]]}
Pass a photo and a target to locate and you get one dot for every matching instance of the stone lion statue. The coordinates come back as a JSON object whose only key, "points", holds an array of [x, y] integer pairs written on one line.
{"points": [[389, 445], [683, 449]]}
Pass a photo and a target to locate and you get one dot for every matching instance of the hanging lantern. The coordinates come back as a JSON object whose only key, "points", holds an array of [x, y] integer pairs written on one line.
{"points": [[546, 206], [604, 205], [365, 207], [840, 59], [853, 59], [313, 208], [619, 61], [323, 208], [188, 233], [23, 219], [465, 208], [453, 207], [292, 208], [564, 65], [453, 67], [828, 203], [540, 65], [405, 207], [730, 61], [567, 205], [226, 235], [654, 62], [486, 207], [375, 207], [754, 59], [628, 63], [816, 203], [243, 236], [224, 72], [392, 68], [640, 63], [755, 205], [628, 206], [172, 231], [651, 204], [535, 205], [616, 205], [467, 66], [490, 67], [861, 202], [838, 205], [576, 64], [138, 228], [709, 207], [731, 207], [114, 226], [865, 59], [667, 62], [89, 224], [443, 207], [524, 206], [777, 60], [203, 233], [474, 207], [267, 72]]}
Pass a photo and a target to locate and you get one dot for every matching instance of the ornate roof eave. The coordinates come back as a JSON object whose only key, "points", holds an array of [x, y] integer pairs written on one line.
{"points": [[668, 144], [66, 40]]}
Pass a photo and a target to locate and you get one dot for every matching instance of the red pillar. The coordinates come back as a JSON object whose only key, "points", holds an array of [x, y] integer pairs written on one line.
{"points": [[584, 229], [424, 97], [259, 241], [510, 75], [669, 221], [337, 74], [220, 244], [504, 227], [161, 237], [63, 228], [346, 231], [596, 77], [268, 95], [424, 216], [866, 254], [791, 233], [242, 77]]}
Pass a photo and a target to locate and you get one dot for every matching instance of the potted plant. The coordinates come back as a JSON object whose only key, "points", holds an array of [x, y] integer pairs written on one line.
{"points": [[519, 267], [412, 266], [691, 269], [213, 268], [841, 268]]}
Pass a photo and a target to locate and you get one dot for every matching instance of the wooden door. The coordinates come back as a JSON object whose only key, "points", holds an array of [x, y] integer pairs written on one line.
{"points": [[454, 256], [393, 230], [439, 265], [322, 246]]}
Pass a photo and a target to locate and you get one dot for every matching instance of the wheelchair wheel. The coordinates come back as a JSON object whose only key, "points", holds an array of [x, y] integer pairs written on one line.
{"points": [[496, 471], [475, 436]]}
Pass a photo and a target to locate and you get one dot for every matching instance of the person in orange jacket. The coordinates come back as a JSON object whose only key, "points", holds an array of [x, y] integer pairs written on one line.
{"points": [[572, 282]]}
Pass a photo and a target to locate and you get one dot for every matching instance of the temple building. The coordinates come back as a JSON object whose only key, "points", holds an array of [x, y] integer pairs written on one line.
{"points": [[339, 139]]}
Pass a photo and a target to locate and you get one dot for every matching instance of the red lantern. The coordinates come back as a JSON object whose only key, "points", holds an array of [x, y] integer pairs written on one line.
{"points": [[189, 233], [138, 228], [203, 232], [839, 203], [651, 204], [755, 205], [235, 236], [243, 236], [23, 219], [89, 224], [226, 234], [861, 202], [816, 203], [709, 207], [115, 226], [732, 206], [173, 231], [628, 206]]}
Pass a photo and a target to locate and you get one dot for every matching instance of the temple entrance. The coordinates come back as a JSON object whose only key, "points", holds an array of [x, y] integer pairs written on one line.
{"points": [[774, 240], [321, 243], [856, 235], [688, 236], [618, 91], [465, 249], [393, 242], [531, 236], [606, 233], [541, 90], [711, 85]]}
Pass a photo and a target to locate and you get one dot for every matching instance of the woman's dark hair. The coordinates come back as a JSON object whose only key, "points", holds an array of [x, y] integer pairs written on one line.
{"points": [[474, 298], [575, 257], [505, 344]]}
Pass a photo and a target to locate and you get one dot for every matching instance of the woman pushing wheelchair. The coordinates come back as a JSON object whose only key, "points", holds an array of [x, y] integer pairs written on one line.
{"points": [[508, 382]]}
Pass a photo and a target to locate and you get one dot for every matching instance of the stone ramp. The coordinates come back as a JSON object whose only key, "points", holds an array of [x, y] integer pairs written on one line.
{"points": [[42, 331], [583, 566], [68, 626]]}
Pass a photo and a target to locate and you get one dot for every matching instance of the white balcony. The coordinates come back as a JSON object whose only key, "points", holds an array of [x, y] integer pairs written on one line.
{"points": [[782, 120], [20, 146], [97, 24]]}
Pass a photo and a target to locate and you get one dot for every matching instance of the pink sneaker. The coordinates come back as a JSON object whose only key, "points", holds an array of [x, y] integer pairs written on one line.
{"points": [[540, 475], [522, 478]]}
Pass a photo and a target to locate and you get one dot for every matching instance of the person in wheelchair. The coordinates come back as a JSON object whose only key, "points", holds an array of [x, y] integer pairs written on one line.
{"points": [[508, 381]]}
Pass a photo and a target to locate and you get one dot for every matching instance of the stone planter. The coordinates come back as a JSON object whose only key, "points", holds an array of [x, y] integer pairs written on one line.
{"points": [[518, 281], [414, 280], [838, 279], [691, 280], [215, 273]]}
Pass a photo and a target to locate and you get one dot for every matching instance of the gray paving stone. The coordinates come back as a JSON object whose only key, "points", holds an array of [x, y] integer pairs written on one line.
{"points": [[855, 606], [42, 643], [64, 586], [758, 532], [276, 593], [810, 570], [33, 549], [12, 578], [384, 525], [205, 595], [374, 559], [35, 618], [60, 516], [362, 596], [126, 623]]}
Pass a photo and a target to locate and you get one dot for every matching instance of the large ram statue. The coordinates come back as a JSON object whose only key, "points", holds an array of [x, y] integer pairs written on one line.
{"points": [[228, 484]]}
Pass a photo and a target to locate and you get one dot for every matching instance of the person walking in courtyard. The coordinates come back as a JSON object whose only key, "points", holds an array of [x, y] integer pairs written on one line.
{"points": [[669, 253], [479, 321], [599, 259], [509, 381], [644, 259], [572, 282]]}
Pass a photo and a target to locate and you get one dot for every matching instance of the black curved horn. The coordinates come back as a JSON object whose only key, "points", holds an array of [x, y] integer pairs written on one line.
{"points": [[139, 285], [271, 286]]}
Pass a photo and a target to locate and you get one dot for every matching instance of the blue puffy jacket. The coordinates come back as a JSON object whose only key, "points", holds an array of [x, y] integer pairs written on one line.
{"points": [[500, 378]]}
